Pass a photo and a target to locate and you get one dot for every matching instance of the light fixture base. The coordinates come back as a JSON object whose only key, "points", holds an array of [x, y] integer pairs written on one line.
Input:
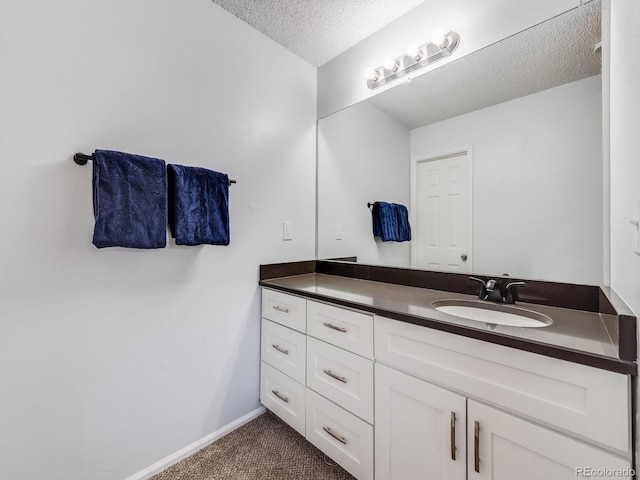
{"points": [[428, 54]]}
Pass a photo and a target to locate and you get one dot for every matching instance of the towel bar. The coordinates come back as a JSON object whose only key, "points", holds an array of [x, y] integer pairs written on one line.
{"points": [[82, 159]]}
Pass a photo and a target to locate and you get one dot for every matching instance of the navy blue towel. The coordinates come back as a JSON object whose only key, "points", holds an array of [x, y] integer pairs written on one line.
{"points": [[129, 200], [391, 222], [385, 221], [404, 229], [198, 206]]}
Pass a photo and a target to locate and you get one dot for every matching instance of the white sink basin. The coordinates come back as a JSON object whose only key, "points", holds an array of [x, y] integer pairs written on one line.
{"points": [[493, 313]]}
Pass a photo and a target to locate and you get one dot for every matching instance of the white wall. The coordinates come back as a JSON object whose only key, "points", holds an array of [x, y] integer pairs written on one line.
{"points": [[625, 149], [363, 158], [112, 359], [341, 81], [537, 166]]}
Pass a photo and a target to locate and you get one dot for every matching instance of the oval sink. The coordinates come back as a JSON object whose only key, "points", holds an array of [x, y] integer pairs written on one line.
{"points": [[494, 313]]}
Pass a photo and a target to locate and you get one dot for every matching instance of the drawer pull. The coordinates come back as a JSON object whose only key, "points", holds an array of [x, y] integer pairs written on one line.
{"points": [[333, 375], [333, 327], [280, 349], [337, 437], [280, 396], [453, 435], [281, 309], [476, 447]]}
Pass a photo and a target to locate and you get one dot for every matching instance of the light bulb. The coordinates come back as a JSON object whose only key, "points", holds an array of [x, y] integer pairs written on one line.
{"points": [[370, 74], [437, 37], [414, 52], [390, 64]]}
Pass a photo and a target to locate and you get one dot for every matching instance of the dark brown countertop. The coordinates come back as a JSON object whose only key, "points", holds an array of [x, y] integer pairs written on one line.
{"points": [[577, 336]]}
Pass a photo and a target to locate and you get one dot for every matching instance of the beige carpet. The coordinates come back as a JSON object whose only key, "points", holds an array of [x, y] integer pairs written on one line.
{"points": [[264, 449]]}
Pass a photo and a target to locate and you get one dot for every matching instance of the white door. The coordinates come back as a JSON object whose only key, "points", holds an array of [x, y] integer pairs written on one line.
{"points": [[504, 447], [442, 222], [419, 429]]}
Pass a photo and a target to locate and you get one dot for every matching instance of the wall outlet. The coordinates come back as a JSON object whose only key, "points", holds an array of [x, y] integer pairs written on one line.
{"points": [[287, 231], [338, 231]]}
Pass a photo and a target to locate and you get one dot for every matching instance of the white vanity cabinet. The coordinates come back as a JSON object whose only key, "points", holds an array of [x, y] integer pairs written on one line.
{"points": [[420, 429], [438, 405], [340, 385], [546, 417], [504, 447], [317, 375], [283, 348], [424, 431]]}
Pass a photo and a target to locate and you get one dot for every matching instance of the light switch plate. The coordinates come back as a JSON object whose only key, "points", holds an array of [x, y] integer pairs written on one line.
{"points": [[338, 231], [287, 231]]}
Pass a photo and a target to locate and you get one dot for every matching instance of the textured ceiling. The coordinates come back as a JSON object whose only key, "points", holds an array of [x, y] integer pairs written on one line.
{"points": [[317, 30], [558, 51]]}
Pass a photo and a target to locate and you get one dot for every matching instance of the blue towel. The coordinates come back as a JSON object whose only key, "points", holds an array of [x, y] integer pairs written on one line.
{"points": [[391, 222], [198, 206], [385, 221], [404, 229], [129, 200]]}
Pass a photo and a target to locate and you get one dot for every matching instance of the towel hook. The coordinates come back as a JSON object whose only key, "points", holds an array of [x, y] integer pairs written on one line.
{"points": [[82, 159]]}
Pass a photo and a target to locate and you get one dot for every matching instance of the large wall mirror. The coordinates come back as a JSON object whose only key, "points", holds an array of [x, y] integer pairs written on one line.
{"points": [[498, 156]]}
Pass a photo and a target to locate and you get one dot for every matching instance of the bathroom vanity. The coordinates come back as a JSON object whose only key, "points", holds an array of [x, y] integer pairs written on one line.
{"points": [[390, 387]]}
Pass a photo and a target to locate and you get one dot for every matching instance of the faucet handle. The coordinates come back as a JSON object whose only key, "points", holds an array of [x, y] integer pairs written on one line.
{"points": [[510, 292], [483, 287]]}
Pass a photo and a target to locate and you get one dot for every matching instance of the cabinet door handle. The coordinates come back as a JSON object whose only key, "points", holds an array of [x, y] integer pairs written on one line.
{"points": [[476, 447], [280, 349], [333, 327], [337, 437], [453, 435], [281, 309], [280, 396], [333, 375]]}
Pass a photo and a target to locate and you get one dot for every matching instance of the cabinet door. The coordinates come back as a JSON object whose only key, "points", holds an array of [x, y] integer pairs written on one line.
{"points": [[416, 424], [504, 447]]}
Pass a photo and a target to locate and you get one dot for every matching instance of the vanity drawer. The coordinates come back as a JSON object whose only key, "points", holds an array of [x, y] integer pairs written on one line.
{"points": [[586, 401], [284, 349], [283, 396], [341, 376], [347, 329], [342, 436], [287, 310]]}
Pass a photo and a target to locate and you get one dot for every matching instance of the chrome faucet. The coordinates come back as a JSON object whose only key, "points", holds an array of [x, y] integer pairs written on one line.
{"points": [[495, 292]]}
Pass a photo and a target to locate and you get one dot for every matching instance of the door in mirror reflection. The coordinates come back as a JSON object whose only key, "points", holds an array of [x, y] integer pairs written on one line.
{"points": [[442, 239]]}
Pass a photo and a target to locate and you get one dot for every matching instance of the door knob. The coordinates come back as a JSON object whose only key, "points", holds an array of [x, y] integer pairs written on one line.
{"points": [[463, 257]]}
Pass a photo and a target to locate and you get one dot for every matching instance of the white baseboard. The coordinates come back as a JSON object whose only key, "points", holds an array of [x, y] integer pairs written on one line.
{"points": [[195, 446]]}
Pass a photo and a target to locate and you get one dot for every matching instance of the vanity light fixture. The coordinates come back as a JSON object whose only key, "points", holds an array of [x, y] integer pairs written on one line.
{"points": [[390, 64], [414, 52], [416, 57], [437, 37]]}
